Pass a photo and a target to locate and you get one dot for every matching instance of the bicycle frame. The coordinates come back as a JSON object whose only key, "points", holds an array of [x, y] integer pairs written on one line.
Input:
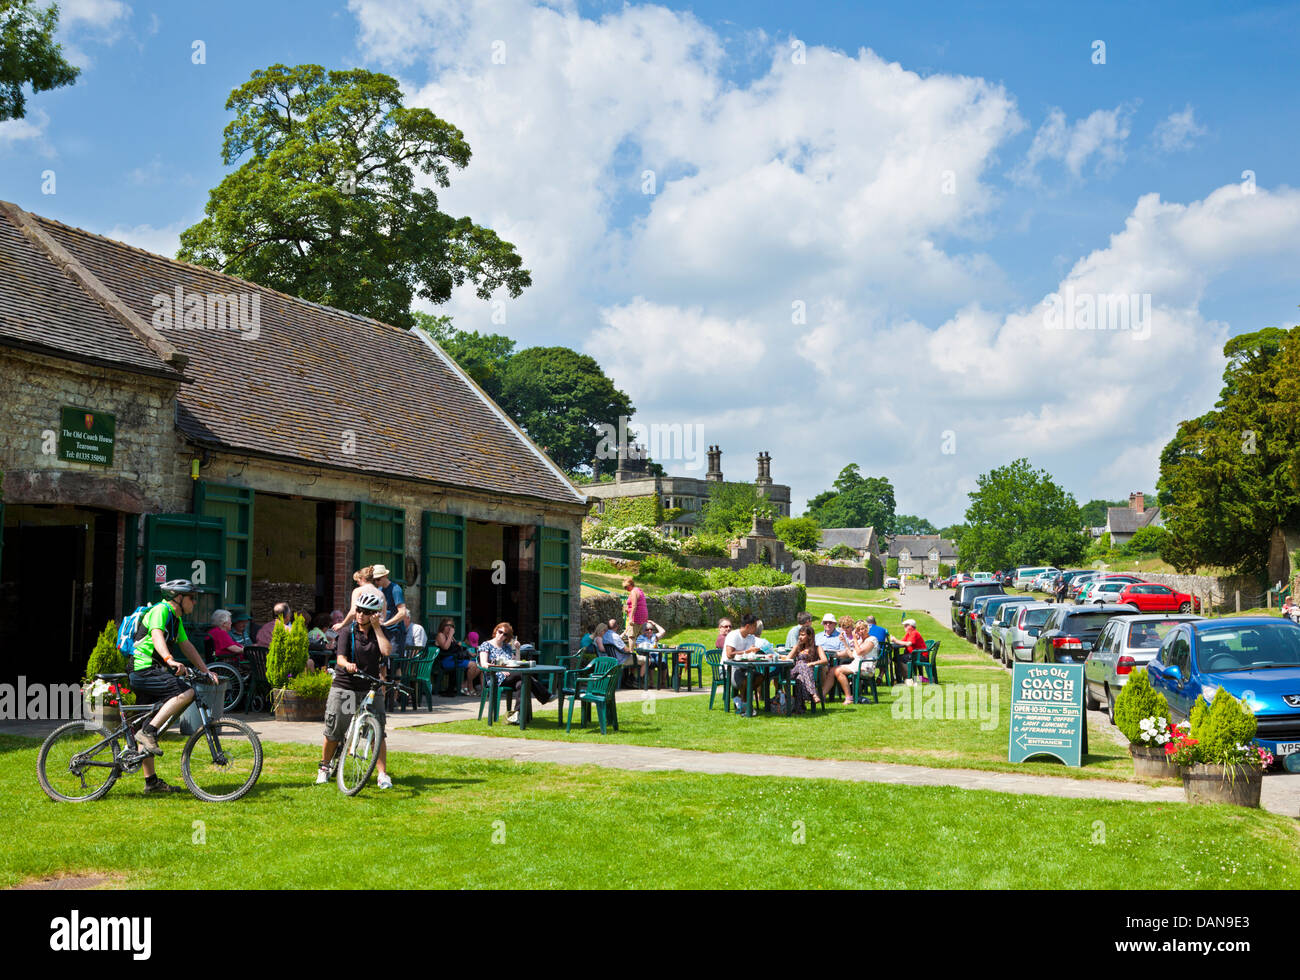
{"points": [[126, 732]]}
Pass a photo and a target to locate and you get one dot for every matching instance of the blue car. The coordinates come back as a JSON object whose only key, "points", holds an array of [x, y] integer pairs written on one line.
{"points": [[1256, 659]]}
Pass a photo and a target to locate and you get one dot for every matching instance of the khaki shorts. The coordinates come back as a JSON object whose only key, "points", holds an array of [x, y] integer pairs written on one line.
{"points": [[342, 704]]}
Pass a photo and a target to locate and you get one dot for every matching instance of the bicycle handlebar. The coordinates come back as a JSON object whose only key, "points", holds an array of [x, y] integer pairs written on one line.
{"points": [[382, 683]]}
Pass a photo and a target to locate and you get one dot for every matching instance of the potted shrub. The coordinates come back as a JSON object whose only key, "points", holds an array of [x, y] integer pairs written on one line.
{"points": [[1142, 714], [308, 693], [102, 697], [285, 658], [1220, 762]]}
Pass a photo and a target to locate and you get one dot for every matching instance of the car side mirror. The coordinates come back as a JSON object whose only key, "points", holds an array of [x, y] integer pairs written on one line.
{"points": [[1174, 674], [1034, 630]]}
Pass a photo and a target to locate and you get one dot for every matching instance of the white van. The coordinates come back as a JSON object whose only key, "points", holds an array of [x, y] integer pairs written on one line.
{"points": [[1025, 576]]}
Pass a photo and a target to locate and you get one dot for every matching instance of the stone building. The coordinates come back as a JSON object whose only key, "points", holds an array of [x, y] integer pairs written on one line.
{"points": [[1123, 522], [171, 422], [684, 493], [921, 554]]}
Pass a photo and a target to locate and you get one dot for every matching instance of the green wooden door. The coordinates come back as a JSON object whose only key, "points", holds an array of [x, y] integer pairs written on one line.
{"points": [[235, 506], [553, 593], [186, 546], [381, 539], [442, 571]]}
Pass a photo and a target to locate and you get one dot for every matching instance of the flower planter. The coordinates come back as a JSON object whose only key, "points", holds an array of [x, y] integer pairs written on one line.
{"points": [[1239, 785], [290, 707], [1151, 762], [111, 717]]}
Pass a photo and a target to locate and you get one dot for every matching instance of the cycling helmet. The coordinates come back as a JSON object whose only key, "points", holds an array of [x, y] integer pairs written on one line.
{"points": [[178, 586], [370, 602]]}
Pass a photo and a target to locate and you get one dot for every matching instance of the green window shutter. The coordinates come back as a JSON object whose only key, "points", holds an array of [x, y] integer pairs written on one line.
{"points": [[381, 539], [186, 546], [553, 593], [442, 571], [235, 506]]}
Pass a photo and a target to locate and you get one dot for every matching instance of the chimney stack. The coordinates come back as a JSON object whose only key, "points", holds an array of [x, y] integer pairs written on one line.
{"points": [[714, 474], [1138, 501], [764, 470]]}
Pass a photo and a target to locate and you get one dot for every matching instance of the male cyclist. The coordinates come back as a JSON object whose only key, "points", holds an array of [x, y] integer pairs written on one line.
{"points": [[364, 647], [156, 672]]}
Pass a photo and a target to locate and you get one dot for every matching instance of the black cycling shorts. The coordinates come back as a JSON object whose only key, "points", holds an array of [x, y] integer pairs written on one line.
{"points": [[155, 685]]}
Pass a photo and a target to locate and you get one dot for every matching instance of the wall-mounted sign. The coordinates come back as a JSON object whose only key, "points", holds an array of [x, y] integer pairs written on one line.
{"points": [[86, 436], [160, 574], [1047, 712]]}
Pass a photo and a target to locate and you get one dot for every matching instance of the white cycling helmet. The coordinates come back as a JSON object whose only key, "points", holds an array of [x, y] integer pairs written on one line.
{"points": [[370, 602]]}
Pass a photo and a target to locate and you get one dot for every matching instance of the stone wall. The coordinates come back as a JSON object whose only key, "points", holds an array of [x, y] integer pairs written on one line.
{"points": [[842, 576], [777, 606], [1215, 593], [301, 599], [824, 576]]}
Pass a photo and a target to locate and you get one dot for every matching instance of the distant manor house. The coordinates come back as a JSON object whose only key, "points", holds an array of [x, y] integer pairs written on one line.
{"points": [[682, 492]]}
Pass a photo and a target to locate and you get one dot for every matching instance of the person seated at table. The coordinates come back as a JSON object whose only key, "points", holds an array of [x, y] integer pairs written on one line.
{"points": [[499, 651], [803, 619], [831, 642], [320, 645], [241, 627], [611, 643], [1290, 610], [737, 642], [451, 655], [863, 651], [911, 643], [724, 628], [881, 636], [647, 642], [764, 645], [807, 656], [282, 613], [223, 643]]}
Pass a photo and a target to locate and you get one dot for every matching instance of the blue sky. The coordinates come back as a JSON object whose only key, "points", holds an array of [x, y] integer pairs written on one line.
{"points": [[798, 153]]}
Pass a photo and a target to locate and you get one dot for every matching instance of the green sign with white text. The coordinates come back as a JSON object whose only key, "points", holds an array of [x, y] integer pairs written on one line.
{"points": [[1047, 713], [86, 436]]}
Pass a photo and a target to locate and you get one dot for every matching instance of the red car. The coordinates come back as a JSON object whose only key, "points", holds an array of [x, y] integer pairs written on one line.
{"points": [[1154, 597]]}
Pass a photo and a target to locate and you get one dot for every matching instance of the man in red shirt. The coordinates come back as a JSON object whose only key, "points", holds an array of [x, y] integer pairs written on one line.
{"points": [[913, 642]]}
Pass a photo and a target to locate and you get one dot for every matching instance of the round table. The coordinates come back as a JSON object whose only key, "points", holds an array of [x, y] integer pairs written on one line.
{"points": [[778, 665], [525, 689]]}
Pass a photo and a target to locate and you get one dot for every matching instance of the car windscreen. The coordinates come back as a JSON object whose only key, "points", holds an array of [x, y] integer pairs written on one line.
{"points": [[1086, 622], [972, 592], [1037, 617], [1258, 647], [1150, 633]]}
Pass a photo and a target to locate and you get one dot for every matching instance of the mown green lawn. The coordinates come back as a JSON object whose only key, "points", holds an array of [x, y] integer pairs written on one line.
{"points": [[464, 823]]}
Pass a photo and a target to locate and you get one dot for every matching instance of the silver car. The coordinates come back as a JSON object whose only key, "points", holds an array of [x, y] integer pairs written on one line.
{"points": [[1125, 644], [1015, 641], [993, 628]]}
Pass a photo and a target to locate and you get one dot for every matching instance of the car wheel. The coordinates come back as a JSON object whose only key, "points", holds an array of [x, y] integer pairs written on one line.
{"points": [[1090, 702], [1110, 705], [1186, 607]]}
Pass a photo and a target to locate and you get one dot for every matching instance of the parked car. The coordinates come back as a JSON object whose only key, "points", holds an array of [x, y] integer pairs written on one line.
{"points": [[983, 576], [1018, 636], [991, 618], [1254, 658], [1085, 596], [975, 628], [1126, 643], [1043, 581], [966, 593], [1078, 584], [1154, 597], [1104, 592], [1025, 575], [891, 583], [1068, 635]]}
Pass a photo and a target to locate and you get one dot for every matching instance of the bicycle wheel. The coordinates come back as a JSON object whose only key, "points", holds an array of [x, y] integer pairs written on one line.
{"points": [[234, 685], [356, 766], [78, 763], [226, 768]]}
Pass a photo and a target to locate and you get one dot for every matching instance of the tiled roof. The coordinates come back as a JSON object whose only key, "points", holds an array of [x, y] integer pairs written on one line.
{"points": [[855, 537], [43, 308], [1126, 520], [919, 545], [312, 374]]}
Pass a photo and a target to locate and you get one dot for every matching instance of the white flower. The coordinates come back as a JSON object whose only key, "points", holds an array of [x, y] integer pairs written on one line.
{"points": [[1147, 724], [1146, 735]]}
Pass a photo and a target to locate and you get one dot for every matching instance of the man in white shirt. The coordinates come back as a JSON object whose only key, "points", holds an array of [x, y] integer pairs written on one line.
{"points": [[802, 619], [830, 638], [740, 641]]}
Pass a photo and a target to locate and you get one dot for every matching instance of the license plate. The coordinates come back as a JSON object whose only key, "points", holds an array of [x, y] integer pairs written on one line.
{"points": [[1286, 748]]}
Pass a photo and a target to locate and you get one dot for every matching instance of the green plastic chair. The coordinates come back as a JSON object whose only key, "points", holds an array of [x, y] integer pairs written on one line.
{"points": [[420, 679], [492, 694], [928, 667], [456, 672], [600, 689], [870, 681], [718, 679], [694, 661]]}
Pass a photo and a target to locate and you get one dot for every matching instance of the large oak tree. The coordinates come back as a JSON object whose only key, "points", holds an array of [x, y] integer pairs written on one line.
{"points": [[324, 205]]}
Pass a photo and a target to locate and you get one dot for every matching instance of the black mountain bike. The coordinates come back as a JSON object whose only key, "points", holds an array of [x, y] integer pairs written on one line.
{"points": [[81, 760]]}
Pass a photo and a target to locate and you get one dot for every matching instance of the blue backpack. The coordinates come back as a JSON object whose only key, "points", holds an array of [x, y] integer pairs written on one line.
{"points": [[126, 632]]}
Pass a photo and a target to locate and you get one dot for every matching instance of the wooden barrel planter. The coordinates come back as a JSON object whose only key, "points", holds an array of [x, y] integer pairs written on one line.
{"points": [[1238, 785], [112, 715], [290, 707], [1150, 762]]}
